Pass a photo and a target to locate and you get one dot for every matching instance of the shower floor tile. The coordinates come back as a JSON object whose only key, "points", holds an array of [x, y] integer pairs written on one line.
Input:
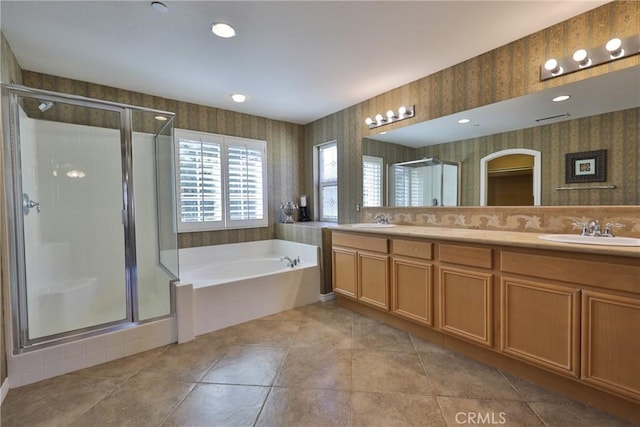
{"points": [[317, 365]]}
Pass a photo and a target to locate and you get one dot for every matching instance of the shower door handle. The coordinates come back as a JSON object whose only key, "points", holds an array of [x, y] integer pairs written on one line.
{"points": [[28, 204]]}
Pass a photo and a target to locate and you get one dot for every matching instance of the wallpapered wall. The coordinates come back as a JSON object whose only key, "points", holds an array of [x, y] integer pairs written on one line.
{"points": [[506, 72], [284, 145]]}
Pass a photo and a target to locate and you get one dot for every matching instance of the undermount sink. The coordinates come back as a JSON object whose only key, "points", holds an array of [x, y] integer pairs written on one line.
{"points": [[372, 225], [591, 240]]}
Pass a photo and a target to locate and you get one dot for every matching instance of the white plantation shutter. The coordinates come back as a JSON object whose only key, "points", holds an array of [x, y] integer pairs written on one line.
{"points": [[219, 190], [417, 188], [246, 175], [372, 181], [402, 185]]}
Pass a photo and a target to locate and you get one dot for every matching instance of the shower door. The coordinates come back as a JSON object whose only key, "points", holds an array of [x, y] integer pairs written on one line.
{"points": [[69, 169]]}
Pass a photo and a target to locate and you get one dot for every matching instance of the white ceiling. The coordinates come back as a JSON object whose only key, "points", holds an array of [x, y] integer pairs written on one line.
{"points": [[296, 60]]}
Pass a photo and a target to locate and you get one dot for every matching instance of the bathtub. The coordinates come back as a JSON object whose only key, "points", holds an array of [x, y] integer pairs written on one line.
{"points": [[224, 285]]}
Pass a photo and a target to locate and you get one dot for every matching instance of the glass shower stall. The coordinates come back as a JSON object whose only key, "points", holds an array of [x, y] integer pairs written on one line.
{"points": [[92, 235]]}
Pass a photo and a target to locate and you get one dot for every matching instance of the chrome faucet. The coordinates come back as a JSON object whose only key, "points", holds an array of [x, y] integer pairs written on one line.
{"points": [[593, 229], [291, 262]]}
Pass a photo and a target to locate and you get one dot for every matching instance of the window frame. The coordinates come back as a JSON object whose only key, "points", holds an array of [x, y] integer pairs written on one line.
{"points": [[225, 141], [330, 183]]}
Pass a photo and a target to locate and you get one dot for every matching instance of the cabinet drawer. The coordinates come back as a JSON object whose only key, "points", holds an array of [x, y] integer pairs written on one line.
{"points": [[580, 271], [467, 255], [358, 241], [412, 248]]}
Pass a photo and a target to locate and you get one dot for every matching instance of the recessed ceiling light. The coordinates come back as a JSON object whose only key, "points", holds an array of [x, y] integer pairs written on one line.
{"points": [[463, 121], [561, 98], [223, 30], [238, 97], [159, 7], [161, 118]]}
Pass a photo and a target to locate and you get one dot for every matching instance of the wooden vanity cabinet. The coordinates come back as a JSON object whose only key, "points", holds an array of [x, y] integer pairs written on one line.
{"points": [[361, 268], [611, 342], [412, 280], [466, 292]]}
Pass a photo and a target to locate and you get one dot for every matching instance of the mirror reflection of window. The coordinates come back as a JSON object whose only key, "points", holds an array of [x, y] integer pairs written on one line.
{"points": [[372, 179]]}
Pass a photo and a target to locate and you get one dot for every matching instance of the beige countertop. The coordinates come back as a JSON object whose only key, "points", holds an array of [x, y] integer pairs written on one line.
{"points": [[492, 237]]}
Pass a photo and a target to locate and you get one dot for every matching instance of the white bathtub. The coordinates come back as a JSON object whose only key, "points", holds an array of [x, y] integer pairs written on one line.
{"points": [[225, 285]]}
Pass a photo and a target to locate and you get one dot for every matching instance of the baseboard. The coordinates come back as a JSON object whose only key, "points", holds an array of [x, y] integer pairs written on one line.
{"points": [[4, 390], [327, 297]]}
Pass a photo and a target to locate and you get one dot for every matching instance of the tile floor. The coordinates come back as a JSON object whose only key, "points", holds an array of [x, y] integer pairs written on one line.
{"points": [[318, 365]]}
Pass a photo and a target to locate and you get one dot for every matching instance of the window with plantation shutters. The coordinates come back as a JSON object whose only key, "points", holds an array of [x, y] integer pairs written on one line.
{"points": [[372, 180], [221, 181], [246, 171]]}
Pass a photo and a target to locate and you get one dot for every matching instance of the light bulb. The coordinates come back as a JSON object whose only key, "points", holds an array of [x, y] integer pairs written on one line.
{"points": [[614, 47], [551, 65], [379, 118], [402, 111], [390, 114], [581, 57], [368, 121]]}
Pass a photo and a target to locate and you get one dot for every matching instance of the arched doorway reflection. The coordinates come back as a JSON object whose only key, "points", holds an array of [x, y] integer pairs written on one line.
{"points": [[510, 178]]}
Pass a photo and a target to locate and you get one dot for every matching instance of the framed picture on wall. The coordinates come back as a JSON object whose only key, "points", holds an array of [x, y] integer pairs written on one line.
{"points": [[586, 166]]}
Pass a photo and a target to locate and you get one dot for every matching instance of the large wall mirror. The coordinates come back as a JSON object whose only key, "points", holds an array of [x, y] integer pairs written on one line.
{"points": [[602, 113]]}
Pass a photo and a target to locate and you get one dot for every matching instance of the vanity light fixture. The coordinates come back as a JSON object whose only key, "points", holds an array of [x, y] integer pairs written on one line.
{"points": [[238, 97], [614, 49], [561, 98], [390, 117], [223, 30]]}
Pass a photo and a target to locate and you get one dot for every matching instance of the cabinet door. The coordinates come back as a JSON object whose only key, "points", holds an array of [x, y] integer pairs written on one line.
{"points": [[466, 304], [412, 290], [540, 323], [611, 343], [345, 271], [373, 275]]}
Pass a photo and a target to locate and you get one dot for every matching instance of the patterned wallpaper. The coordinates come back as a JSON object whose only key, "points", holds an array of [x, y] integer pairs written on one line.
{"points": [[506, 72]]}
